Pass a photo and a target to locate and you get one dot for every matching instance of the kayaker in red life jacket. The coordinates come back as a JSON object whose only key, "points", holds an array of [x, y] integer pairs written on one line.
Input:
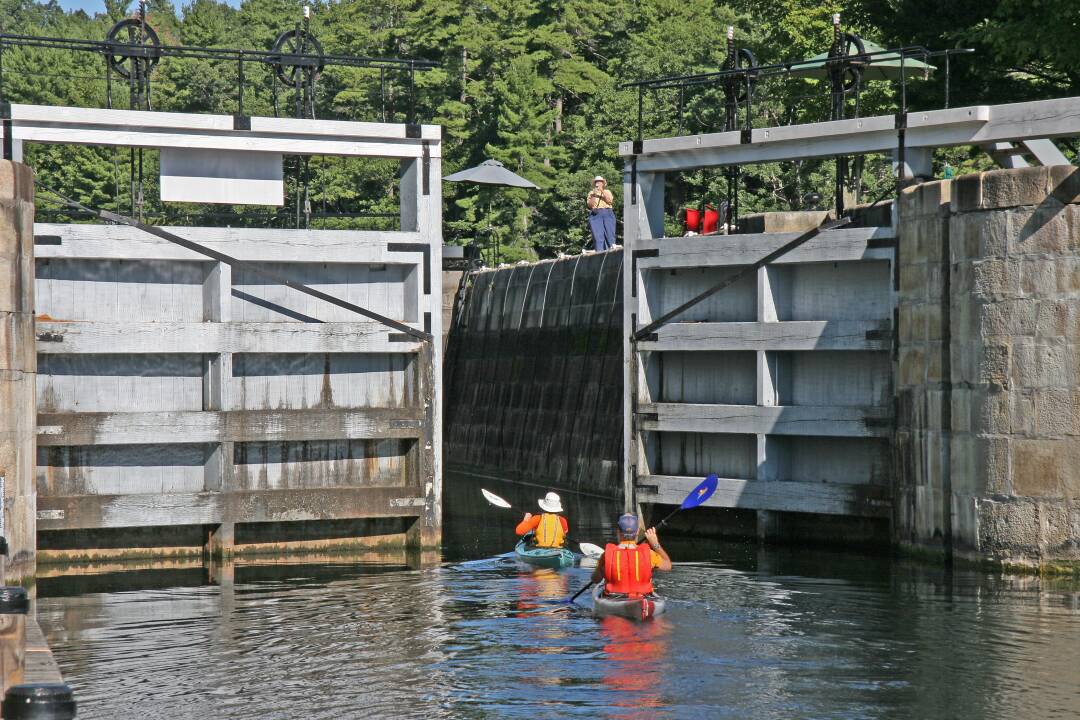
{"points": [[627, 568], [549, 527]]}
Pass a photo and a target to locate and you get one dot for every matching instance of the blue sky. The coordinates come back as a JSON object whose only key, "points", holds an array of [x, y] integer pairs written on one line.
{"points": [[96, 6]]}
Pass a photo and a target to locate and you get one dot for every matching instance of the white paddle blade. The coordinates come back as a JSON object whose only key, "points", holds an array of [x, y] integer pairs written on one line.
{"points": [[495, 499], [590, 550]]}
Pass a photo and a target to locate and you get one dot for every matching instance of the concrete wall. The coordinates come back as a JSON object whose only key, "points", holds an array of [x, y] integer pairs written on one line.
{"points": [[17, 366], [532, 375], [989, 366]]}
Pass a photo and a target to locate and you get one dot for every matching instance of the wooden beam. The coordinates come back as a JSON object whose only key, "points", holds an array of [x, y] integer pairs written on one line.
{"points": [[120, 242], [127, 128], [818, 420], [795, 335], [845, 245], [976, 125], [141, 428], [1045, 151], [72, 512], [82, 337], [861, 500]]}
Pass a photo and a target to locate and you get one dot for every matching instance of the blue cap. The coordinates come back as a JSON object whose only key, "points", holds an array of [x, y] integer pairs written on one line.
{"points": [[628, 524]]}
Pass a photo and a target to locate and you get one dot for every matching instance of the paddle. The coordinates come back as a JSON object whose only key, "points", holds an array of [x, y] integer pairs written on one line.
{"points": [[697, 496], [496, 500], [590, 550]]}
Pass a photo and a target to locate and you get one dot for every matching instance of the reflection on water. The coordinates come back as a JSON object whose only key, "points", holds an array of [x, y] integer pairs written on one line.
{"points": [[749, 634]]}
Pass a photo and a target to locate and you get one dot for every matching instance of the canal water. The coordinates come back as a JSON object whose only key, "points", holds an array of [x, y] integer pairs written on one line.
{"points": [[750, 633]]}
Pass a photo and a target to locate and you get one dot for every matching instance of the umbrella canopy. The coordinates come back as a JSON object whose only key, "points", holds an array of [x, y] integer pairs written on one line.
{"points": [[881, 67], [490, 172]]}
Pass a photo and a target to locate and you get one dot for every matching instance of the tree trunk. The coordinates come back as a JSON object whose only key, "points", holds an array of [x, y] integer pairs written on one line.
{"points": [[464, 72]]}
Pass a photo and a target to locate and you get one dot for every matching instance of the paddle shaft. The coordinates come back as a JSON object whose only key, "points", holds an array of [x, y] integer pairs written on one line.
{"points": [[668, 517], [578, 593]]}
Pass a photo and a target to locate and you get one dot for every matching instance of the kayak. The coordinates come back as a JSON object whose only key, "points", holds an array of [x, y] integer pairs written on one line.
{"points": [[544, 557], [640, 609]]}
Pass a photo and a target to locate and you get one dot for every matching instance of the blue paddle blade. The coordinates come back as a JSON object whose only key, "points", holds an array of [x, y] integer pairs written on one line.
{"points": [[701, 493]]}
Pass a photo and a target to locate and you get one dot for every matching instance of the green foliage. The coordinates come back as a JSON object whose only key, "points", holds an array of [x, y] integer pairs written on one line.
{"points": [[536, 85]]}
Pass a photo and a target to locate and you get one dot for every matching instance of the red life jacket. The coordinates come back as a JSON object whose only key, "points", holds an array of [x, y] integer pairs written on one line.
{"points": [[627, 570]]}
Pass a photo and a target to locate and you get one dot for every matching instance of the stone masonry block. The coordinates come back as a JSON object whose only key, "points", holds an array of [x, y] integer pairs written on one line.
{"points": [[935, 365], [1068, 272], [935, 282], [1001, 189], [1053, 523], [913, 281], [16, 182], [1022, 411], [965, 359], [1046, 467], [965, 513], [1038, 277], [965, 477], [1008, 527], [1074, 521], [995, 279], [1055, 412], [993, 463], [1008, 318], [1046, 363], [994, 364], [994, 411], [904, 321], [961, 279], [918, 322], [1059, 318], [934, 321], [912, 370], [924, 199], [965, 236], [960, 401], [1065, 184], [1044, 230]]}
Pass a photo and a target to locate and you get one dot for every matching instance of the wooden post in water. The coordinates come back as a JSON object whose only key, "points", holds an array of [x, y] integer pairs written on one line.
{"points": [[14, 604]]}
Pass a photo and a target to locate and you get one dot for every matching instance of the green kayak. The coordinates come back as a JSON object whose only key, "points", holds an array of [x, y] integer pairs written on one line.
{"points": [[544, 557]]}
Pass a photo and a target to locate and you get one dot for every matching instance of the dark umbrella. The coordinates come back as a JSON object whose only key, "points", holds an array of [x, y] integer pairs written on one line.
{"points": [[881, 65], [491, 172]]}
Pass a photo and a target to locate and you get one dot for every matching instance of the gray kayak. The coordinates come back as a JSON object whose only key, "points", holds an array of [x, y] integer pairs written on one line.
{"points": [[639, 609]]}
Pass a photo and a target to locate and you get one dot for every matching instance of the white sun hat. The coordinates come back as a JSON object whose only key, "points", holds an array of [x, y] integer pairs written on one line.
{"points": [[599, 178], [551, 503]]}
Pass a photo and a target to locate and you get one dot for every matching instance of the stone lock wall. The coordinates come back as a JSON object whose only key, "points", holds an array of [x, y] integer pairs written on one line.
{"points": [[988, 435]]}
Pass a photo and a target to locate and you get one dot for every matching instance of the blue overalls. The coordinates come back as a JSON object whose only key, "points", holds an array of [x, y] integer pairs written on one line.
{"points": [[602, 225]]}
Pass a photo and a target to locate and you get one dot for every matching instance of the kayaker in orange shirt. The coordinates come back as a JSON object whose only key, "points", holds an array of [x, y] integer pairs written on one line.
{"points": [[549, 527], [627, 568]]}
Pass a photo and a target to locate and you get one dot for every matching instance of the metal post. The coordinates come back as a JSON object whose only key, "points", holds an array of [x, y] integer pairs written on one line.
{"points": [[412, 93], [240, 83]]}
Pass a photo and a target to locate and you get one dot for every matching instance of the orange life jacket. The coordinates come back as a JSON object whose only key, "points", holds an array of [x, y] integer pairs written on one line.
{"points": [[549, 532], [627, 570]]}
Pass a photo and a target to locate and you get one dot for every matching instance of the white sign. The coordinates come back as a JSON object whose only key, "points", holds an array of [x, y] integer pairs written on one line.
{"points": [[232, 177]]}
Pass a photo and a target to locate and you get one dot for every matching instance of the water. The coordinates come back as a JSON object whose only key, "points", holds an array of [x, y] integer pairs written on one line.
{"points": [[750, 633]]}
